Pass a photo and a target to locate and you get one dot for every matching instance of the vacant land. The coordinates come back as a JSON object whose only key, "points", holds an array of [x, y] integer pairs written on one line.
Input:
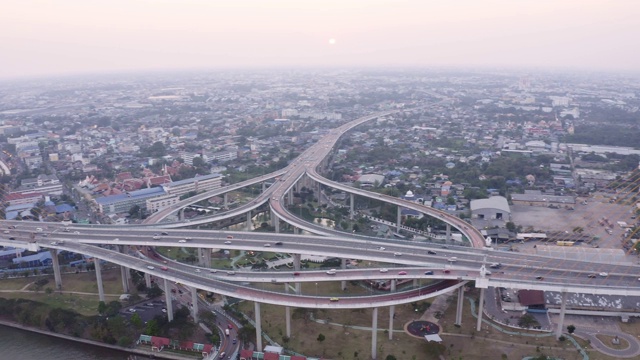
{"points": [[343, 339]]}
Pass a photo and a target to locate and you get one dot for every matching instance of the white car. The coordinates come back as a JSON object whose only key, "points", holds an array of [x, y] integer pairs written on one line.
{"points": [[267, 245], [116, 239], [452, 259], [331, 272], [227, 242], [213, 270], [182, 241], [384, 270], [156, 237], [197, 270], [397, 254], [603, 274], [381, 248], [150, 267]]}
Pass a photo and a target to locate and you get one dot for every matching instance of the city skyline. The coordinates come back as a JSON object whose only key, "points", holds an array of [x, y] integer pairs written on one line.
{"points": [[41, 38]]}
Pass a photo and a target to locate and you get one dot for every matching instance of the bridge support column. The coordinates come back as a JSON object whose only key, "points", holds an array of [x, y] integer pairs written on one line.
{"points": [[147, 280], [399, 219], [343, 283], [275, 221], [56, 268], [98, 266], [225, 197], [319, 195], [264, 186], [181, 214], [563, 309], [290, 196], [415, 283], [392, 311], [296, 267], [459, 307], [125, 281], [167, 298], [287, 314], [206, 257], [200, 256], [194, 303], [248, 220], [351, 206], [124, 271], [374, 334], [480, 309], [258, 327], [448, 232]]}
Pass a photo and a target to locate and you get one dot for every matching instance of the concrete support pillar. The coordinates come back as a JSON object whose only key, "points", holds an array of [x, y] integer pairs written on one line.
{"points": [[399, 219], [343, 283], [459, 307], [275, 221], [319, 195], [147, 280], [351, 206], [563, 309], [225, 197], [290, 196], [287, 314], [167, 298], [125, 282], [194, 303], [264, 186], [96, 262], [258, 327], [248, 220], [448, 232], [56, 268], [480, 310], [296, 267], [200, 256], [392, 311], [181, 214], [415, 283], [206, 257], [374, 335]]}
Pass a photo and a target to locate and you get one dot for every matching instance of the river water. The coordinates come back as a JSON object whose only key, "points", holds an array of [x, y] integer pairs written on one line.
{"points": [[26, 345]]}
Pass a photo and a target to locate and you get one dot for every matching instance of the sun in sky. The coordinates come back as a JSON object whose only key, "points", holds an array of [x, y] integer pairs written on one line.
{"points": [[332, 41]]}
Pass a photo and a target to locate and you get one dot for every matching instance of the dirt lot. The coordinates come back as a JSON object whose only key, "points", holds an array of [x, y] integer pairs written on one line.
{"points": [[585, 216], [349, 342]]}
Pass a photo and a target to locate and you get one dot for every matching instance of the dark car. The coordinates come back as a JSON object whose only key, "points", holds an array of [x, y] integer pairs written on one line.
{"points": [[279, 243], [431, 252], [296, 274], [428, 272], [539, 278]]}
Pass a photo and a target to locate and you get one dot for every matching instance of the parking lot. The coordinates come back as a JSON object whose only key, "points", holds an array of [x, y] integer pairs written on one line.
{"points": [[147, 309]]}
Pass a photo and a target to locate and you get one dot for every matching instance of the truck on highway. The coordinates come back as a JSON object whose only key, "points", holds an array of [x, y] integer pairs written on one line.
{"points": [[226, 332]]}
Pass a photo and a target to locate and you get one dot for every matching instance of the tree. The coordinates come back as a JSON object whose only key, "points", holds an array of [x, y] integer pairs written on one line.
{"points": [[136, 321], [135, 211], [527, 321], [571, 329], [154, 291], [102, 307], [152, 328], [321, 337], [390, 357]]}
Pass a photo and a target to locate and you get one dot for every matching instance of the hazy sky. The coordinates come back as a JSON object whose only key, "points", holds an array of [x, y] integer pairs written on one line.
{"points": [[39, 37]]}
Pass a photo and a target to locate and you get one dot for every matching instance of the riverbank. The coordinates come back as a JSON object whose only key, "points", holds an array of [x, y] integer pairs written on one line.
{"points": [[141, 352]]}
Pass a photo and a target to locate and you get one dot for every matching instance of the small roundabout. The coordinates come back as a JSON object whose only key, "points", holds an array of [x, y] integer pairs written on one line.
{"points": [[420, 328]]}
